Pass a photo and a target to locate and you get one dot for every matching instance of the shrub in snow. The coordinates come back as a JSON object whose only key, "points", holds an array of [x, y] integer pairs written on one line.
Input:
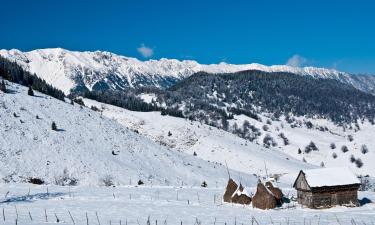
{"points": [[269, 122], [140, 182], [30, 92], [79, 101], [364, 149], [66, 179], [311, 147], [304, 160], [322, 164], [265, 128], [309, 125], [194, 154], [334, 155], [350, 138], [332, 145], [107, 181], [299, 151], [268, 141], [358, 163], [204, 184], [365, 184], [344, 149], [94, 108], [54, 126], [169, 134], [34, 180], [352, 159], [285, 139], [225, 123]]}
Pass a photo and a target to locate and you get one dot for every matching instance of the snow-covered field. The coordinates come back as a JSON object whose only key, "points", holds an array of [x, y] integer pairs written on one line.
{"points": [[162, 205]]}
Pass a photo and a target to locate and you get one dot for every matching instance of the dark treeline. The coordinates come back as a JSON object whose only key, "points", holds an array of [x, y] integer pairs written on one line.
{"points": [[251, 92], [13, 72], [124, 99]]}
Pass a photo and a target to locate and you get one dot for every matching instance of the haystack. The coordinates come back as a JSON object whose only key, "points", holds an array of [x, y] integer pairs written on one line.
{"points": [[241, 196], [229, 191], [276, 192], [263, 198]]}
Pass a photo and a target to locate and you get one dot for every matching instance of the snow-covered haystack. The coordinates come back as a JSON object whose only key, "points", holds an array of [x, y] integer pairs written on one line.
{"points": [[264, 198], [241, 196], [230, 190], [275, 191], [86, 148]]}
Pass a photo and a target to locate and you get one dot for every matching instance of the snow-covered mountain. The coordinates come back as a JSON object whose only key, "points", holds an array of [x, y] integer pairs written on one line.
{"points": [[69, 70], [87, 147]]}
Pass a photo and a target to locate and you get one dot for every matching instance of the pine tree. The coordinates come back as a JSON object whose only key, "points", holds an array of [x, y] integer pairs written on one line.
{"points": [[30, 91], [3, 88], [54, 126]]}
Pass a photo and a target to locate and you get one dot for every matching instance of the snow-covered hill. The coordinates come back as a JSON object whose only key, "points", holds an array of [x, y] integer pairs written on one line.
{"points": [[68, 70], [217, 145], [87, 147], [208, 143]]}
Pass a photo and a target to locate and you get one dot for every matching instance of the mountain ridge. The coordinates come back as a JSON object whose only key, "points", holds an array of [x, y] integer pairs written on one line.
{"points": [[98, 70]]}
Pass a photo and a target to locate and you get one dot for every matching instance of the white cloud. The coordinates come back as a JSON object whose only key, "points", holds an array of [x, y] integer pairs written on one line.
{"points": [[145, 51], [297, 61]]}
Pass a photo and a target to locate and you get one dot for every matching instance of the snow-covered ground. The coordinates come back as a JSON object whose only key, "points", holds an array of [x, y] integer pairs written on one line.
{"points": [[162, 205], [88, 147]]}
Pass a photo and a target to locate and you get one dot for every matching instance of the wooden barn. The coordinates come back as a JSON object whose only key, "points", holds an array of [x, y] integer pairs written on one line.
{"points": [[327, 187]]}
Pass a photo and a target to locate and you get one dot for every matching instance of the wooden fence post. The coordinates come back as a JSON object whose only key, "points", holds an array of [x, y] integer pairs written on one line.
{"points": [[97, 217], [71, 217], [31, 218]]}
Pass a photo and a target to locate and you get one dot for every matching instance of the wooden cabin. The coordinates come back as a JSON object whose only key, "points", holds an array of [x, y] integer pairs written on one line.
{"points": [[327, 187]]}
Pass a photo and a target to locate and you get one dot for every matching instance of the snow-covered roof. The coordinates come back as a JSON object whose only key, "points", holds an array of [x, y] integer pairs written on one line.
{"points": [[239, 192], [330, 177]]}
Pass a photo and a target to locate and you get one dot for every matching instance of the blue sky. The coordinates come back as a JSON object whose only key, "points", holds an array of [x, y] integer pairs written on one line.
{"points": [[333, 34]]}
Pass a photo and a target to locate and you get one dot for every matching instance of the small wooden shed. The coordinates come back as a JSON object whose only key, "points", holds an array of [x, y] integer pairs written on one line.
{"points": [[327, 187]]}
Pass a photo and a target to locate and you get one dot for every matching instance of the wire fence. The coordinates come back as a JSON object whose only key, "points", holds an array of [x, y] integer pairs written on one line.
{"points": [[17, 210]]}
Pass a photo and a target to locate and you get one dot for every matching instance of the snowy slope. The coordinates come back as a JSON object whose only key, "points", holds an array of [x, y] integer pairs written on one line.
{"points": [[217, 145], [66, 69], [207, 142], [83, 147], [300, 136]]}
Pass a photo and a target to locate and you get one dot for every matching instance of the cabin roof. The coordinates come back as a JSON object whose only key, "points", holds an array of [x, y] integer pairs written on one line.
{"points": [[326, 177]]}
